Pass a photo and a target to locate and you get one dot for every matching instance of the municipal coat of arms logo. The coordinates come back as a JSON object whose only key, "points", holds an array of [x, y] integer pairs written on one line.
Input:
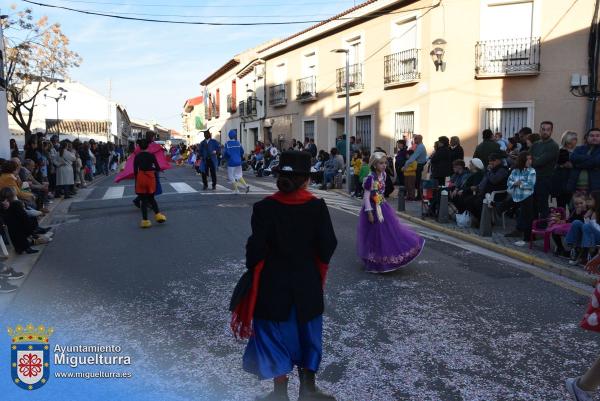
{"points": [[30, 355]]}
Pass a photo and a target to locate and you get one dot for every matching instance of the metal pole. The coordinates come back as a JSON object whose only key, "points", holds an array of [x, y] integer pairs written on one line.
{"points": [[57, 126], [347, 121]]}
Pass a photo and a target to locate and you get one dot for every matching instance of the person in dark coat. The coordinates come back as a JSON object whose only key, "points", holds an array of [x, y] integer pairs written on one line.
{"points": [[278, 303], [441, 163], [456, 151], [486, 147], [585, 174]]}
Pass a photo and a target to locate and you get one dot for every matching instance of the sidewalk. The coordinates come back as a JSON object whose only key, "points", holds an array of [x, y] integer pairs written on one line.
{"points": [[497, 242]]}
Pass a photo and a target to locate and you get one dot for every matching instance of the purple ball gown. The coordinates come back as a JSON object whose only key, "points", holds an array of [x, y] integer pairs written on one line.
{"points": [[385, 245]]}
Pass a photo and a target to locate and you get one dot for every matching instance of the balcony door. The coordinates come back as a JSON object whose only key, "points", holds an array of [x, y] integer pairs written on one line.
{"points": [[506, 20], [404, 35]]}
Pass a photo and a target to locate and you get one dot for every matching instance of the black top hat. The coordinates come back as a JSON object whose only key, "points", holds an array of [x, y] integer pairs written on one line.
{"points": [[294, 162]]}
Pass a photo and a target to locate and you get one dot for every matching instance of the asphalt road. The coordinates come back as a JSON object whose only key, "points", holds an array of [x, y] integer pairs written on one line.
{"points": [[456, 324]]}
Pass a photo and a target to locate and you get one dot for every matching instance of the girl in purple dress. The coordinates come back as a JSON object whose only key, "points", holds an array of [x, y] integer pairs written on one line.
{"points": [[384, 244]]}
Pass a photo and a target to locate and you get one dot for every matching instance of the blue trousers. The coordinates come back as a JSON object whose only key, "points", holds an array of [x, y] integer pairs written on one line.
{"points": [[583, 234], [276, 347]]}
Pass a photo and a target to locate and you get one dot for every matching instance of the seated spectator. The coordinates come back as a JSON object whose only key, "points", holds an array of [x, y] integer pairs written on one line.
{"points": [[410, 177], [463, 196], [317, 170], [21, 227], [494, 179], [585, 174], [333, 166], [486, 147], [531, 139], [519, 186], [459, 178], [584, 235], [9, 179], [40, 190], [561, 228]]}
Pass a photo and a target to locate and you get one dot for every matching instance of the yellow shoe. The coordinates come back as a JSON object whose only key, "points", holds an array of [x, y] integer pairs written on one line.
{"points": [[160, 218], [145, 224]]}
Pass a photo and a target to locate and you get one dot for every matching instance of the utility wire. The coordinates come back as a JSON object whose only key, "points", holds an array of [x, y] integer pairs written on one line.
{"points": [[205, 5], [127, 16]]}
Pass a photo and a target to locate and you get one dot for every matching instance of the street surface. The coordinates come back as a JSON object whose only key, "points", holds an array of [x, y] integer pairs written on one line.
{"points": [[457, 324]]}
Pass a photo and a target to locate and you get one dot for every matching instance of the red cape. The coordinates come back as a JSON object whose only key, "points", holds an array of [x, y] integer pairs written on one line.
{"points": [[241, 317], [154, 148]]}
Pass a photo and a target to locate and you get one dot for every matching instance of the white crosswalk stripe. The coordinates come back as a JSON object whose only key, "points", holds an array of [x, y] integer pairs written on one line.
{"points": [[114, 192], [182, 187]]}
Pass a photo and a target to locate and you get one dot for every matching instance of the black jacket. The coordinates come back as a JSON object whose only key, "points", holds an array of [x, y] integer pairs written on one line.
{"points": [[290, 238], [441, 163], [457, 153]]}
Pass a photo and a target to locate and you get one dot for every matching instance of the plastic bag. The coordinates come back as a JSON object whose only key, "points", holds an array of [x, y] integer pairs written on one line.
{"points": [[463, 219]]}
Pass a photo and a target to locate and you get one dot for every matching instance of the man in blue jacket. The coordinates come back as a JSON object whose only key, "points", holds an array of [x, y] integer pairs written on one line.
{"points": [[208, 151], [234, 152], [585, 174]]}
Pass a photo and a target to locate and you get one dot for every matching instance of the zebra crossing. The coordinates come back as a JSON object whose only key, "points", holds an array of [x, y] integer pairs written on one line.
{"points": [[259, 186]]}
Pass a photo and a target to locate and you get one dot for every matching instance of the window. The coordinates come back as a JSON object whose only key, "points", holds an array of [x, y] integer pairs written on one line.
{"points": [[309, 65], [404, 126], [355, 52], [309, 130], [363, 132], [506, 20], [508, 121], [280, 74], [404, 35], [233, 96]]}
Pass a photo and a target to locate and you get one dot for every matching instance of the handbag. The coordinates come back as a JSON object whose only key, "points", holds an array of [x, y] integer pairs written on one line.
{"points": [[463, 219]]}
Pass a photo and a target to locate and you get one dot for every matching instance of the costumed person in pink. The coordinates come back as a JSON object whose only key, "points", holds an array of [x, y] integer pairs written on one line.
{"points": [[583, 388], [384, 244], [158, 152], [278, 302]]}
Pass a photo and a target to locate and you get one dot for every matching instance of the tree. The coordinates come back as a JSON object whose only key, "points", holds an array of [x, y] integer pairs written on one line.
{"points": [[37, 55]]}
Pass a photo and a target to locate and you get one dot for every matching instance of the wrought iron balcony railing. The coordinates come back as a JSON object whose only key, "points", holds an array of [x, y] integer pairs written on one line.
{"points": [[355, 79], [507, 57], [306, 89], [401, 67], [251, 107], [242, 108], [278, 95]]}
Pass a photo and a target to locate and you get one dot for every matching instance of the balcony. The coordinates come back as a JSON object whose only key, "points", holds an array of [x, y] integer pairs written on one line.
{"points": [[231, 105], [401, 68], [306, 89], [278, 95], [355, 79], [507, 57], [248, 108]]}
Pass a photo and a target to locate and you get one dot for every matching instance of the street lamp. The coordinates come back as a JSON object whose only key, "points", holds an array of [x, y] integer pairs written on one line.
{"points": [[347, 119], [60, 96]]}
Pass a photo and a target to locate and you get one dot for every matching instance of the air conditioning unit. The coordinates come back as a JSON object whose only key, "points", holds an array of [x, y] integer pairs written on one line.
{"points": [[259, 70]]}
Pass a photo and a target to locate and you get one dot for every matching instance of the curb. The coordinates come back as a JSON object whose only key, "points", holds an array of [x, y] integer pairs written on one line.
{"points": [[564, 271]]}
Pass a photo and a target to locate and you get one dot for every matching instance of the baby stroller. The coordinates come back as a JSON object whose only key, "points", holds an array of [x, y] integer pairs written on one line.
{"points": [[274, 163], [428, 189]]}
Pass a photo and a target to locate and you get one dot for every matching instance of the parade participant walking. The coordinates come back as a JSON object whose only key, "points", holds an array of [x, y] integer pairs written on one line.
{"points": [[209, 163], [159, 154], [145, 168], [234, 153], [384, 244], [278, 303]]}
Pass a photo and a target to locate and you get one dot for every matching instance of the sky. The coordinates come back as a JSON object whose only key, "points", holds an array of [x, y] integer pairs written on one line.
{"points": [[153, 68]]}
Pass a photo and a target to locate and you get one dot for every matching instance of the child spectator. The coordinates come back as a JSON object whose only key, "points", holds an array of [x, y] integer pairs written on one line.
{"points": [[365, 170], [585, 234], [410, 178], [561, 228], [356, 165]]}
